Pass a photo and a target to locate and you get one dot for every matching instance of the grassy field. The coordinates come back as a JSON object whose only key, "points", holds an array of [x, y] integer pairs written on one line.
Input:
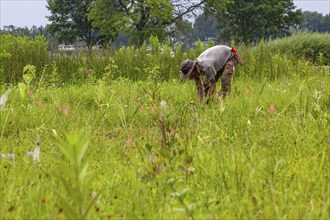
{"points": [[154, 152]]}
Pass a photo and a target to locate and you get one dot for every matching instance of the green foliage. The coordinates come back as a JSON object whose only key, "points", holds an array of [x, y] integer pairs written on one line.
{"points": [[236, 158], [248, 21], [307, 45], [29, 73], [205, 27], [138, 20], [315, 22], [78, 200], [31, 33], [69, 21], [16, 52], [282, 57]]}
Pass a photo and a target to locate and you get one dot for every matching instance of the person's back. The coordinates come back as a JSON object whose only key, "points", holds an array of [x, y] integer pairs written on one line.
{"points": [[216, 56]]}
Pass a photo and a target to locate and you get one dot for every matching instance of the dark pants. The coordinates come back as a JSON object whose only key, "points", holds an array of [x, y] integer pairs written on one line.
{"points": [[225, 74]]}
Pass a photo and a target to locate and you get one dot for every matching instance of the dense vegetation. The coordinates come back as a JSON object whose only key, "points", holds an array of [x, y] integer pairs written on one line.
{"points": [[119, 135], [270, 59]]}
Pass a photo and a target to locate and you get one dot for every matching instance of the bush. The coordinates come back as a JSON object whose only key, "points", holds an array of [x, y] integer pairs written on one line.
{"points": [[314, 47]]}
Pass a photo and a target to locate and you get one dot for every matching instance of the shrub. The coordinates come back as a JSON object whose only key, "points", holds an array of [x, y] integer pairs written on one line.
{"points": [[17, 52], [311, 46]]}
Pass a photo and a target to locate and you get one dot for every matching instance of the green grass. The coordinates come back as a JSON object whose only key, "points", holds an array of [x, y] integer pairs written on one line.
{"points": [[232, 159]]}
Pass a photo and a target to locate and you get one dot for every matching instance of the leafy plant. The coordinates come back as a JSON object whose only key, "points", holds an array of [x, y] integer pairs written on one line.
{"points": [[77, 180], [29, 73]]}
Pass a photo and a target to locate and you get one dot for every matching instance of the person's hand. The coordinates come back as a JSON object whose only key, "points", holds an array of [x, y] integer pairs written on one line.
{"points": [[212, 88]]}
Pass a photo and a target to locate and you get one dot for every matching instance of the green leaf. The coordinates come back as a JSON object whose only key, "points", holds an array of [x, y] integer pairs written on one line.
{"points": [[73, 191], [66, 152], [148, 146], [70, 174], [165, 153], [28, 78], [22, 89], [68, 210], [184, 192], [89, 206], [83, 148], [83, 171]]}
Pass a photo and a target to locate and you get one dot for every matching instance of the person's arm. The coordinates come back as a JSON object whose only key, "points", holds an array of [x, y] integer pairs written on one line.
{"points": [[200, 89], [210, 79], [212, 86]]}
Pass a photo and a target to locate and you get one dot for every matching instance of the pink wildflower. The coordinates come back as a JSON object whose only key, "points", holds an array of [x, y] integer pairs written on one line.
{"points": [[31, 95], [65, 110], [128, 143], [272, 108]]}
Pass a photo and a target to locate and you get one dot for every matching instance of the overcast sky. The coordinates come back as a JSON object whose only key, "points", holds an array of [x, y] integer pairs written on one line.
{"points": [[21, 13]]}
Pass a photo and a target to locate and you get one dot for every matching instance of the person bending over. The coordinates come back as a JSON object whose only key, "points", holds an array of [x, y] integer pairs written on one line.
{"points": [[217, 62]]}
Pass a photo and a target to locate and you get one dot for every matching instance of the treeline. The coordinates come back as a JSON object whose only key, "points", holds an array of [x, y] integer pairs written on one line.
{"points": [[271, 60], [122, 22], [32, 32], [119, 23]]}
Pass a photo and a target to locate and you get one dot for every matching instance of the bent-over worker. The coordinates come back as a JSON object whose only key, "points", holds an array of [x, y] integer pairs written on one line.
{"points": [[214, 63]]}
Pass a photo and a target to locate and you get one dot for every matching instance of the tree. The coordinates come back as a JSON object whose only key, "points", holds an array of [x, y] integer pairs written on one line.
{"points": [[249, 20], [69, 21], [205, 27], [137, 18], [141, 18], [315, 22]]}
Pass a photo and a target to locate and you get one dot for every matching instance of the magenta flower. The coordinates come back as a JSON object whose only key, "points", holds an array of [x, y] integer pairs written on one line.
{"points": [[2, 155], [30, 153], [31, 95]]}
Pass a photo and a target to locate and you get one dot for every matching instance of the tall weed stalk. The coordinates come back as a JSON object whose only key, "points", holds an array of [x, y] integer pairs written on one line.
{"points": [[79, 198]]}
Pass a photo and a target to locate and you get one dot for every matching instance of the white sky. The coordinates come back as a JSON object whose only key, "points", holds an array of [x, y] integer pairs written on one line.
{"points": [[21, 13]]}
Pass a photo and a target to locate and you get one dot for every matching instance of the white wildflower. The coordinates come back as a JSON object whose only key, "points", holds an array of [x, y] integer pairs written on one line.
{"points": [[3, 98], [36, 152]]}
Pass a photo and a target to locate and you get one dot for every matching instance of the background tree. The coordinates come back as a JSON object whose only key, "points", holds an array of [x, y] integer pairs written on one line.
{"points": [[69, 20], [315, 22], [141, 18], [250, 20], [31, 32], [136, 18], [205, 27]]}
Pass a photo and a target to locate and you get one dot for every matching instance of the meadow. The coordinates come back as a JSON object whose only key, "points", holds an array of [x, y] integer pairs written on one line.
{"points": [[119, 136]]}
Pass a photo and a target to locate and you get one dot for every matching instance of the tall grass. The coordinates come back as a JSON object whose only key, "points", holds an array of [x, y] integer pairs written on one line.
{"points": [[289, 56], [236, 158], [17, 52]]}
